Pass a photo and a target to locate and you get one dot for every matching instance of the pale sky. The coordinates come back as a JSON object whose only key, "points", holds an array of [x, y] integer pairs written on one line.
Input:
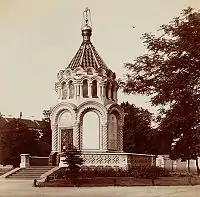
{"points": [[40, 37]]}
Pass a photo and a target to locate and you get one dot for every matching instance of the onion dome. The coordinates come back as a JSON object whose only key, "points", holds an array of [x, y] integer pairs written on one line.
{"points": [[87, 56]]}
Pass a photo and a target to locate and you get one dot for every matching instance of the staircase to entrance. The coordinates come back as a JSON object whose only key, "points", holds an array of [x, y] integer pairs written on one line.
{"points": [[32, 172]]}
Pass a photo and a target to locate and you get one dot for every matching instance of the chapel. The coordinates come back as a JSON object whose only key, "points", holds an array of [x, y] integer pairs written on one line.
{"points": [[86, 115]]}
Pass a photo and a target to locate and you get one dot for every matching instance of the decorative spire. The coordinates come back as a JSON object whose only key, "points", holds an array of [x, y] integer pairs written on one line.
{"points": [[86, 28], [87, 56], [85, 15]]}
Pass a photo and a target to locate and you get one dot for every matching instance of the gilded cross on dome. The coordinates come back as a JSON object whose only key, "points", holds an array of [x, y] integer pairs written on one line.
{"points": [[85, 14]]}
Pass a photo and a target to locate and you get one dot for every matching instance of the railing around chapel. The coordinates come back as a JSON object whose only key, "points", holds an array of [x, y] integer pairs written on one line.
{"points": [[121, 160]]}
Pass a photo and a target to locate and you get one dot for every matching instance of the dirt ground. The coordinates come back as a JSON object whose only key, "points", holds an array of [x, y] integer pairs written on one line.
{"points": [[13, 188]]}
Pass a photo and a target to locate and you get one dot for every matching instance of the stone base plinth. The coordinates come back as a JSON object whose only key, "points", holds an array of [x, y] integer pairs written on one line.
{"points": [[120, 160]]}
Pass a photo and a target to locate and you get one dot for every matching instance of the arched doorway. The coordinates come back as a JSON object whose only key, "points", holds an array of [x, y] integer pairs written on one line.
{"points": [[90, 129], [65, 131], [71, 89], [112, 132], [64, 90]]}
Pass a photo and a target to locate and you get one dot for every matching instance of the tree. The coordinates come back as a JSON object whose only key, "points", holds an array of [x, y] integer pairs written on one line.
{"points": [[73, 159], [45, 138], [138, 136], [45, 134], [170, 74], [16, 139]]}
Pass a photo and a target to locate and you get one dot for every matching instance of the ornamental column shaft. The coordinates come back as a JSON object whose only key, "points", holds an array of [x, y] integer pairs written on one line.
{"points": [[98, 90], [120, 138], [81, 91], [54, 138], [105, 136], [90, 90], [76, 135]]}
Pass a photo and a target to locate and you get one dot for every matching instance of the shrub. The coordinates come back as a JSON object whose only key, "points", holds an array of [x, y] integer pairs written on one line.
{"points": [[148, 172], [137, 172]]}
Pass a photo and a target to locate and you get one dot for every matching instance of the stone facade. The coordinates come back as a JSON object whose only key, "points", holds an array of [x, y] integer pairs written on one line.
{"points": [[87, 115]]}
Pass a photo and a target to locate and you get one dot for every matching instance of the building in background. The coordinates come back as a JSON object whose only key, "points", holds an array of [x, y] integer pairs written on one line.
{"points": [[31, 124]]}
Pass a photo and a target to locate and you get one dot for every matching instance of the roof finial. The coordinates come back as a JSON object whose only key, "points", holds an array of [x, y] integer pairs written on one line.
{"points": [[86, 27], [85, 13]]}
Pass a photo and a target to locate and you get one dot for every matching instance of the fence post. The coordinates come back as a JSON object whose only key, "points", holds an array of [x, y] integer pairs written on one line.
{"points": [[24, 161]]}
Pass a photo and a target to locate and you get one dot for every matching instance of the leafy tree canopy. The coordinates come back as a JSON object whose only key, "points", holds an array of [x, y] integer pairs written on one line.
{"points": [[16, 139], [170, 74], [138, 136]]}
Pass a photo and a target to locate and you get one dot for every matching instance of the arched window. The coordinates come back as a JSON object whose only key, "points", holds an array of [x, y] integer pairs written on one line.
{"points": [[108, 90], [112, 132], [85, 88], [90, 71], [91, 131], [94, 89], [71, 89], [65, 119], [112, 92], [64, 90]]}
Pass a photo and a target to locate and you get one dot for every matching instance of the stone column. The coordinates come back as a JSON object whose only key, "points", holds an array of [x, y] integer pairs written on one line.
{"points": [[104, 91], [120, 139], [98, 90], [59, 93], [101, 137], [76, 91], [76, 135], [54, 129], [81, 91], [116, 95], [68, 86], [105, 136], [24, 161], [90, 90], [101, 92]]}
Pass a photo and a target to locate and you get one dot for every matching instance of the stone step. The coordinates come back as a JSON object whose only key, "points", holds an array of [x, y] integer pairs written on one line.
{"points": [[38, 168], [25, 174], [25, 177], [30, 172]]}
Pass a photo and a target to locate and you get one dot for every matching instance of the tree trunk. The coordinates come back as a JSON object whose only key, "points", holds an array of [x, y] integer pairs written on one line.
{"points": [[153, 181], [189, 175], [197, 165], [188, 166]]}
